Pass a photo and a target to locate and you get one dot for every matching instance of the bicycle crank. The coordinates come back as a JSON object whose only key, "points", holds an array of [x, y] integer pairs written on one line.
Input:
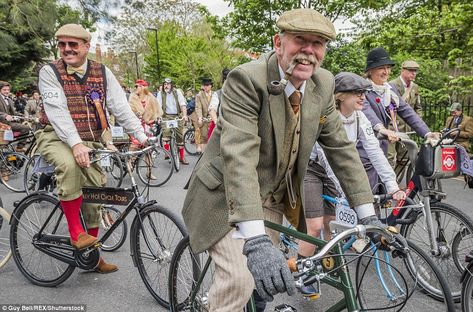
{"points": [[87, 259]]}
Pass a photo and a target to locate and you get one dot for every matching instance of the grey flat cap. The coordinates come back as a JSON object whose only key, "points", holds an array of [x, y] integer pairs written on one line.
{"points": [[346, 82], [167, 80], [410, 65], [74, 31], [455, 107], [306, 21]]}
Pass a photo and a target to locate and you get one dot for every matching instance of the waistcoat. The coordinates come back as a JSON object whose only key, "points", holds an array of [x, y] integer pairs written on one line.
{"points": [[164, 96]]}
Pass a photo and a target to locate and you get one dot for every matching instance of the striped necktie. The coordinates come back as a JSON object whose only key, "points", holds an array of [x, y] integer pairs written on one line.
{"points": [[295, 100]]}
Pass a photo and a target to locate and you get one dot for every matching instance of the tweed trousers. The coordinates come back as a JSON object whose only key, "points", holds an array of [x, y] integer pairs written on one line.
{"points": [[70, 178], [233, 283]]}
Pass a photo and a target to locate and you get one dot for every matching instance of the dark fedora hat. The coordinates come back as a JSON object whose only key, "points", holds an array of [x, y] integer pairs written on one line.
{"points": [[207, 81], [376, 58]]}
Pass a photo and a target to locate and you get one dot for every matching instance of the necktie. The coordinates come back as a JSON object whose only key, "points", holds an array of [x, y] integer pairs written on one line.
{"points": [[295, 100], [408, 84], [71, 70]]}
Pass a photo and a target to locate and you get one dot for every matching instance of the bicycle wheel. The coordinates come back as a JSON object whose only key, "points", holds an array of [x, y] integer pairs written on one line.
{"points": [[152, 168], [454, 235], [12, 171], [189, 142], [38, 267], [467, 290], [5, 251], [185, 271], [153, 243], [108, 216], [113, 170], [385, 282], [174, 154]]}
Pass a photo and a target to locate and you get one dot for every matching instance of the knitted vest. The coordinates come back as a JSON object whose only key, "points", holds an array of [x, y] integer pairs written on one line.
{"points": [[164, 96], [82, 94]]}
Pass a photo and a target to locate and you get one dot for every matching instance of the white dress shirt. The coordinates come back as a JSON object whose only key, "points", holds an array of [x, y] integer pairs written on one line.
{"points": [[171, 108]]}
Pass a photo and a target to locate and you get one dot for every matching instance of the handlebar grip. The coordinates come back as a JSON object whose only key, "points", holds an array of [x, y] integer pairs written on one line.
{"points": [[382, 197]]}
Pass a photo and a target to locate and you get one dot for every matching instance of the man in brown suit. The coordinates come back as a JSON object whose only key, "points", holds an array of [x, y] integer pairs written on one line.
{"points": [[202, 102], [7, 113], [465, 123], [257, 157], [409, 92]]}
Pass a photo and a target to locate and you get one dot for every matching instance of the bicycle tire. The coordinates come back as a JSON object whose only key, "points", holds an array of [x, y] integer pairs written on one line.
{"points": [[174, 153], [13, 165], [154, 270], [5, 250], [27, 219], [451, 261], [189, 142], [114, 172], [467, 290], [184, 272], [407, 282], [108, 216], [159, 168]]}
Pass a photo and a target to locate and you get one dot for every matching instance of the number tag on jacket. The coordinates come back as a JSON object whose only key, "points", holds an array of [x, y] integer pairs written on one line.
{"points": [[8, 135], [346, 215], [117, 132], [171, 123]]}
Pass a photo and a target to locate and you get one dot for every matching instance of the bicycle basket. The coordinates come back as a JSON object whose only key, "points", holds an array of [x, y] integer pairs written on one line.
{"points": [[438, 162]]}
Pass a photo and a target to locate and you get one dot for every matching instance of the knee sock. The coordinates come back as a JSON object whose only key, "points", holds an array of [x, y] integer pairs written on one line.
{"points": [[181, 153], [166, 146], [93, 231], [71, 209]]}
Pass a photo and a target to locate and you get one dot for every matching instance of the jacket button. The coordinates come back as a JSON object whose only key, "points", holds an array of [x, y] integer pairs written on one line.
{"points": [[294, 151], [298, 131]]}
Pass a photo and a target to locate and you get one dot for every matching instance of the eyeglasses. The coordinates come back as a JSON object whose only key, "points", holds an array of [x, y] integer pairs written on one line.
{"points": [[358, 93], [72, 44]]}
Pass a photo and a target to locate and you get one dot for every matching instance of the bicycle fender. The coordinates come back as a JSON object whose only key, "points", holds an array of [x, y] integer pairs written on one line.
{"points": [[35, 194]]}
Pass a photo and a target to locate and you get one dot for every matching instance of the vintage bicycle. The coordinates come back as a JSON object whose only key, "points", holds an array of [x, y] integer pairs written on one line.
{"points": [[41, 247], [5, 252]]}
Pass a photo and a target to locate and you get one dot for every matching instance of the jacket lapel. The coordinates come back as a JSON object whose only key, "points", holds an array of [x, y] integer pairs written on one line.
{"points": [[277, 107], [4, 107]]}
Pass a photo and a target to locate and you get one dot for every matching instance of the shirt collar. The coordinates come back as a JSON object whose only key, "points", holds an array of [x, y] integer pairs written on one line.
{"points": [[403, 82], [290, 87], [84, 67]]}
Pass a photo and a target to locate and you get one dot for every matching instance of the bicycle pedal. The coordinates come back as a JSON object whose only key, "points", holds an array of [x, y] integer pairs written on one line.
{"points": [[97, 245], [284, 308], [312, 297]]}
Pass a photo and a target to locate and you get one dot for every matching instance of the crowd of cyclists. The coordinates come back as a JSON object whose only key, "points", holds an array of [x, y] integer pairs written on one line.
{"points": [[79, 101]]}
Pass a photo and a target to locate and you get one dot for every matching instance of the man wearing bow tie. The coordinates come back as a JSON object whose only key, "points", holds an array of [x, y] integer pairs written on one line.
{"points": [[76, 94]]}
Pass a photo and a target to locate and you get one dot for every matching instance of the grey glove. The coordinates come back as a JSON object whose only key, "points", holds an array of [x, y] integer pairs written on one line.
{"points": [[373, 220], [268, 267]]}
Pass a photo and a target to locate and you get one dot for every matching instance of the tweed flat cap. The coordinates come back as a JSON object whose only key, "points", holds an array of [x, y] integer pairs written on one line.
{"points": [[346, 82], [74, 31], [410, 65], [306, 21], [455, 107]]}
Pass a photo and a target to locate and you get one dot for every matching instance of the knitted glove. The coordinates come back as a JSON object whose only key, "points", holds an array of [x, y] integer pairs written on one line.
{"points": [[268, 267], [373, 220]]}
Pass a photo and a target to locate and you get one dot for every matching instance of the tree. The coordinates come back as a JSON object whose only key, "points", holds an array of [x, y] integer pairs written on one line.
{"points": [[252, 23]]}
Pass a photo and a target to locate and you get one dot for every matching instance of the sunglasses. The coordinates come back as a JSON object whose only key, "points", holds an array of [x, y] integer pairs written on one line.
{"points": [[71, 44]]}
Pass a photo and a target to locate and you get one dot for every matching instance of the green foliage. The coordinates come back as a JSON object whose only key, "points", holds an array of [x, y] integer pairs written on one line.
{"points": [[345, 56], [186, 57]]}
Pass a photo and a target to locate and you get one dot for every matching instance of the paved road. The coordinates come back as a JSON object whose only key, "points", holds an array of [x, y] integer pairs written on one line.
{"points": [[124, 290]]}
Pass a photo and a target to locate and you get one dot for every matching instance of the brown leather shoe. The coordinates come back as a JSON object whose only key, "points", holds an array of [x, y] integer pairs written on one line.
{"points": [[105, 268], [21, 150], [183, 161], [84, 240], [150, 176], [5, 177]]}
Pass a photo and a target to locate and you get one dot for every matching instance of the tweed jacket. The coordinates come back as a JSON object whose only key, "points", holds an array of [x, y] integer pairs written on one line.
{"points": [[241, 161], [377, 114], [6, 109], [202, 105], [33, 108], [466, 129], [412, 98]]}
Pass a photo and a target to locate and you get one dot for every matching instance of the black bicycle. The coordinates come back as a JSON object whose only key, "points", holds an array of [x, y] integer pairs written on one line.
{"points": [[41, 247]]}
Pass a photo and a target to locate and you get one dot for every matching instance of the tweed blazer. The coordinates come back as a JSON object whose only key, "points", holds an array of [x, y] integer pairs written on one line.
{"points": [[377, 114], [6, 109], [241, 161], [414, 97], [466, 129]]}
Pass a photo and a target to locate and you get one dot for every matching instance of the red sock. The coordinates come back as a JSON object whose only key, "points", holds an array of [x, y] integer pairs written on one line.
{"points": [[93, 231], [71, 210], [166, 146], [181, 153]]}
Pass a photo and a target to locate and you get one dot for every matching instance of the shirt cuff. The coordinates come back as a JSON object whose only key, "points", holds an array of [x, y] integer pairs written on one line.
{"points": [[249, 229], [141, 136], [425, 136], [364, 210], [392, 187], [378, 127], [73, 140]]}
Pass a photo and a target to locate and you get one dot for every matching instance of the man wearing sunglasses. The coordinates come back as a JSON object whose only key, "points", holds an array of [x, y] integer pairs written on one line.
{"points": [[76, 94]]}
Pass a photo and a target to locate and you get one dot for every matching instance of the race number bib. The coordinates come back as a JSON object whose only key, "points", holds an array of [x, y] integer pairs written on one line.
{"points": [[8, 135], [117, 132], [105, 161], [171, 123], [345, 215], [51, 95]]}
